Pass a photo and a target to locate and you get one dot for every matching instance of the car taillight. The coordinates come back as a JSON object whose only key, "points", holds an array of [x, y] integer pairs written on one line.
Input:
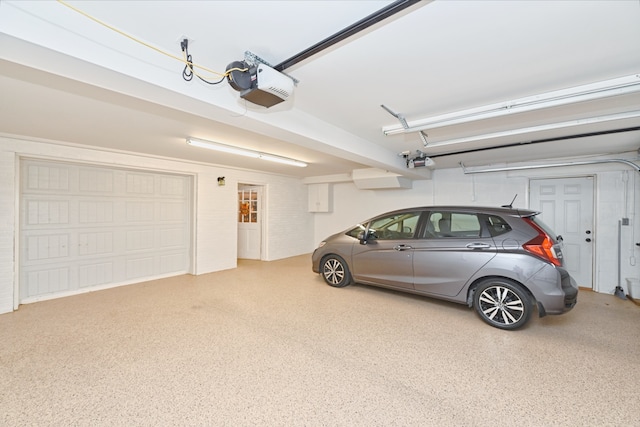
{"points": [[541, 245]]}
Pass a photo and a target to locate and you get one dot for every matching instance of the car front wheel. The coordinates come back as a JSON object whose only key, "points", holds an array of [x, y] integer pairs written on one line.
{"points": [[502, 303], [335, 271]]}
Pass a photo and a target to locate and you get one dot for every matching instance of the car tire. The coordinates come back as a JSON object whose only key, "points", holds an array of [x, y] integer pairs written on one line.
{"points": [[335, 271], [502, 303]]}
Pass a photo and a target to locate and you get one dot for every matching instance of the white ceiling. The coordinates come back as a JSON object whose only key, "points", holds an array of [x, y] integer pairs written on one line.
{"points": [[68, 78]]}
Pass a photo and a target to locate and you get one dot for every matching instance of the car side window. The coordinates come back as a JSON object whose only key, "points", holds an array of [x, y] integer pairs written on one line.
{"points": [[395, 226], [452, 224], [354, 232], [497, 225]]}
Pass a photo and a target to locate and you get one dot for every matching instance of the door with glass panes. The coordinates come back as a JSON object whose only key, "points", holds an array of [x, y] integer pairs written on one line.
{"points": [[249, 222]]}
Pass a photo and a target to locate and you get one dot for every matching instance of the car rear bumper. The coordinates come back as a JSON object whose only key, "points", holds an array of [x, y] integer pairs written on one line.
{"points": [[556, 291], [570, 289]]}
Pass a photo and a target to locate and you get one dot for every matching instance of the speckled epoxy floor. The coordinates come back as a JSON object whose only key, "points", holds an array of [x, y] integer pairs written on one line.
{"points": [[270, 344]]}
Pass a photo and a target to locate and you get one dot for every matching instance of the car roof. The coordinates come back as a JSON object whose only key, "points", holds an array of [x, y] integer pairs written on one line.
{"points": [[517, 212]]}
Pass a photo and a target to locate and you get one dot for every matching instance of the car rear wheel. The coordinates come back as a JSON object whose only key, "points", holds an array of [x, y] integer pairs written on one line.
{"points": [[335, 271], [502, 303]]}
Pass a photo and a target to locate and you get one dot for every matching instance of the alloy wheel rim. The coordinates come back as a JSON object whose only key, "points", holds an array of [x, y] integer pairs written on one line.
{"points": [[501, 305], [333, 271]]}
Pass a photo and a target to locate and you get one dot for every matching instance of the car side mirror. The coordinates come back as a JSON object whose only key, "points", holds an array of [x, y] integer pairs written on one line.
{"points": [[366, 236]]}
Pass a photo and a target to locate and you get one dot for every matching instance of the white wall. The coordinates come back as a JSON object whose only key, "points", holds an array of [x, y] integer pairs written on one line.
{"points": [[289, 227], [447, 186], [291, 230], [617, 196]]}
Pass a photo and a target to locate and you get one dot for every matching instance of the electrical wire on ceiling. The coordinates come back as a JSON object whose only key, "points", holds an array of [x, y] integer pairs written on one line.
{"points": [[189, 70]]}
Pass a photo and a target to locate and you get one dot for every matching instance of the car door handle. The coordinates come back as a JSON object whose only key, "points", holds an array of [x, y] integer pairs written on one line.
{"points": [[478, 245], [402, 247]]}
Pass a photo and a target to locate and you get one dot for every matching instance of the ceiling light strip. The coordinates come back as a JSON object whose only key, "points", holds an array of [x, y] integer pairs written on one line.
{"points": [[600, 90], [541, 128], [537, 141], [216, 146], [467, 171]]}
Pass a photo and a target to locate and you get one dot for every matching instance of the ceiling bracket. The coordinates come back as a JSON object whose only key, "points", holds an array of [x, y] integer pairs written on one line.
{"points": [[423, 137], [403, 122], [253, 59]]}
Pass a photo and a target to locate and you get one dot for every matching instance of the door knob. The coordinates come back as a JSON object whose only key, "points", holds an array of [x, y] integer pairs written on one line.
{"points": [[587, 239], [588, 231]]}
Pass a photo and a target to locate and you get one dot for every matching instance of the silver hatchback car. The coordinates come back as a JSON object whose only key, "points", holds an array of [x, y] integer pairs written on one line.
{"points": [[500, 261]]}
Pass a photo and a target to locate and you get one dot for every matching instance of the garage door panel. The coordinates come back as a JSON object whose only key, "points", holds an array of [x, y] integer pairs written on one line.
{"points": [[47, 281], [95, 243], [100, 273], [96, 212], [94, 180], [140, 183], [139, 211], [47, 247], [139, 267], [47, 177], [47, 212], [173, 186], [171, 263], [83, 226], [171, 238], [138, 240], [171, 212]]}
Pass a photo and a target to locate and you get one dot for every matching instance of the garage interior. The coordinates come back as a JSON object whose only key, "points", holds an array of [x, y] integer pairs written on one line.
{"points": [[128, 158]]}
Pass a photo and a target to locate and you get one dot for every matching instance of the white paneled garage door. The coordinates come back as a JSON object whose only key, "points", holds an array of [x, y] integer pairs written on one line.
{"points": [[86, 227]]}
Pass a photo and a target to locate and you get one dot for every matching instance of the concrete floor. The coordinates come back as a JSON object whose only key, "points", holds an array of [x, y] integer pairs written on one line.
{"points": [[270, 344]]}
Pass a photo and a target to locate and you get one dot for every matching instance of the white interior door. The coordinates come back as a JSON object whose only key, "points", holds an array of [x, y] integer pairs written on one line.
{"points": [[84, 227], [249, 222], [567, 207]]}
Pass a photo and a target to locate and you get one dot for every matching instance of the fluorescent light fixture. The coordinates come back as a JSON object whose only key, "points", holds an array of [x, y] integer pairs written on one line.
{"points": [[222, 147], [210, 145], [548, 165], [541, 128], [600, 90]]}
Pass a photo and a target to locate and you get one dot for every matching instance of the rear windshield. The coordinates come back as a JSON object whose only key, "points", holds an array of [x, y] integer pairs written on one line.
{"points": [[544, 228]]}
